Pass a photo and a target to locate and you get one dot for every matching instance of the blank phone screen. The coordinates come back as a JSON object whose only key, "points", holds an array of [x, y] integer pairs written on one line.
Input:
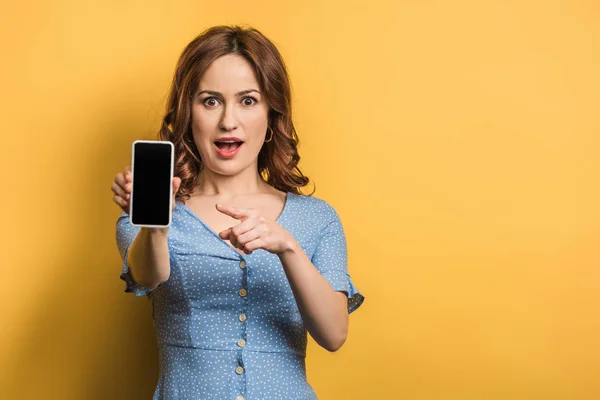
{"points": [[151, 194]]}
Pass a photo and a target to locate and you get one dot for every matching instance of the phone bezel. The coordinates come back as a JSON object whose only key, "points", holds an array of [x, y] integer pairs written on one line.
{"points": [[131, 199]]}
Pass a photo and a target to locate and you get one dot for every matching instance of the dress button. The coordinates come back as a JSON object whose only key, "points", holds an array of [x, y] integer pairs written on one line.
{"points": [[239, 370], [243, 292], [241, 342], [242, 317], [242, 264], [239, 398]]}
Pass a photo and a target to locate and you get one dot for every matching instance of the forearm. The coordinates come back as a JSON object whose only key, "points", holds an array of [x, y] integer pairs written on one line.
{"points": [[323, 310], [148, 257]]}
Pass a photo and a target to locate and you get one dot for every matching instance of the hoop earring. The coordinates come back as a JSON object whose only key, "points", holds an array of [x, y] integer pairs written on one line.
{"points": [[271, 138]]}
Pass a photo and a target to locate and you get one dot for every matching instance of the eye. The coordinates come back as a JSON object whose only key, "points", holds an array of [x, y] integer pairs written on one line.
{"points": [[249, 100], [210, 101]]}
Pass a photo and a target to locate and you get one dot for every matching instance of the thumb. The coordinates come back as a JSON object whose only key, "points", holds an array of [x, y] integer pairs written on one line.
{"points": [[225, 234], [176, 184]]}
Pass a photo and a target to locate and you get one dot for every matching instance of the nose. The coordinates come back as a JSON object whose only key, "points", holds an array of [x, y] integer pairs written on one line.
{"points": [[228, 120]]}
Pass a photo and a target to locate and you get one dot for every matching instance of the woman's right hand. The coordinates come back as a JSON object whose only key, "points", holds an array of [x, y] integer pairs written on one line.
{"points": [[121, 188]]}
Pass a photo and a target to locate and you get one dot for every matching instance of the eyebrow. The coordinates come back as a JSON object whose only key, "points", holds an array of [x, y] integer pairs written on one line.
{"points": [[218, 94]]}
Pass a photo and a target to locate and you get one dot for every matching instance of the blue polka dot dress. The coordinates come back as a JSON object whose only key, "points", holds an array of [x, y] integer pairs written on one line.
{"points": [[227, 324]]}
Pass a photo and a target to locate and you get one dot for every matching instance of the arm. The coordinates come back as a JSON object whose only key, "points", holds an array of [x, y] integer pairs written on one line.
{"points": [[144, 251], [321, 285], [324, 310], [148, 257]]}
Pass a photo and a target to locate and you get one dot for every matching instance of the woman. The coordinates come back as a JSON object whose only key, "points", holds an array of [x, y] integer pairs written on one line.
{"points": [[249, 264]]}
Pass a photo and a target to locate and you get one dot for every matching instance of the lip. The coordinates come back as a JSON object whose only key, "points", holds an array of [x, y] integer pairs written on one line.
{"points": [[228, 153], [237, 139]]}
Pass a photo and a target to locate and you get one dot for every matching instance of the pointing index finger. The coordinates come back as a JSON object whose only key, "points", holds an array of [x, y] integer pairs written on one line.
{"points": [[237, 213]]}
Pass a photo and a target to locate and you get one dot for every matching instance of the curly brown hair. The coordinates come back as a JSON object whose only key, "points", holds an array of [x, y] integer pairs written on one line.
{"points": [[278, 159]]}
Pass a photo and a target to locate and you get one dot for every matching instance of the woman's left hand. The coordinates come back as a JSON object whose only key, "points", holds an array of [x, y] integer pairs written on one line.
{"points": [[255, 231]]}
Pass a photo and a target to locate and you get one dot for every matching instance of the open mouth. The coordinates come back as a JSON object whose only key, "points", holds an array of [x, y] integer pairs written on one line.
{"points": [[228, 145]]}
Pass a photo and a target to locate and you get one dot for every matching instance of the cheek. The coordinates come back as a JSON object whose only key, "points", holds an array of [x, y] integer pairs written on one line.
{"points": [[256, 121], [203, 127], [203, 121]]}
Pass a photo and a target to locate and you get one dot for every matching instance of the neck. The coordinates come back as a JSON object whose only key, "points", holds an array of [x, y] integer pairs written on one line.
{"points": [[244, 182]]}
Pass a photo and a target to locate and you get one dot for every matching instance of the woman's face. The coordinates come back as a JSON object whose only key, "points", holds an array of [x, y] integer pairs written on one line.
{"points": [[228, 103]]}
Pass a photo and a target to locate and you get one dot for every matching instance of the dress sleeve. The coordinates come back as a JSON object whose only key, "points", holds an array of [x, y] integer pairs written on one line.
{"points": [[126, 233], [331, 259]]}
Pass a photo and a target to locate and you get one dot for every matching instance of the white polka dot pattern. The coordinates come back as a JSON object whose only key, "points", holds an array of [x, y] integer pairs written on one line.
{"points": [[217, 341]]}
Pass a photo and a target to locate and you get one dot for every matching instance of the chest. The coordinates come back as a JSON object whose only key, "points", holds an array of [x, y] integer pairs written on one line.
{"points": [[205, 208]]}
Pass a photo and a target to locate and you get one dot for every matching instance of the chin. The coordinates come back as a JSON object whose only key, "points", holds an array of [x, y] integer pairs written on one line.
{"points": [[230, 168]]}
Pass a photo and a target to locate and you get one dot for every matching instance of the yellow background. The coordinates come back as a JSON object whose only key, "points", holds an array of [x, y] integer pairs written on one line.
{"points": [[458, 141]]}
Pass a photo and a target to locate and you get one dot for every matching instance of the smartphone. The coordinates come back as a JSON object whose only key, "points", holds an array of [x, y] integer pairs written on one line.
{"points": [[152, 183]]}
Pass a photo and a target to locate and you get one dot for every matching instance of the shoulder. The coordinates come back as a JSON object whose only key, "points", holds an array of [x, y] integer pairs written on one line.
{"points": [[312, 206]]}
